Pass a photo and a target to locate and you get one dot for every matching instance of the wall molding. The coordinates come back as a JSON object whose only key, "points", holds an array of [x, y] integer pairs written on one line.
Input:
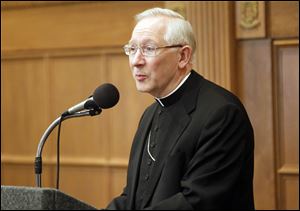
{"points": [[5, 5], [66, 161], [88, 51], [289, 169]]}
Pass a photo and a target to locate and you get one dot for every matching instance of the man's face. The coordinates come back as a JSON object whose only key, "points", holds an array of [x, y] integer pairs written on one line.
{"points": [[156, 75]]}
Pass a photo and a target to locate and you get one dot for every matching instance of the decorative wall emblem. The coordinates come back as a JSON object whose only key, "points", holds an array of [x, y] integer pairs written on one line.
{"points": [[250, 19], [249, 14]]}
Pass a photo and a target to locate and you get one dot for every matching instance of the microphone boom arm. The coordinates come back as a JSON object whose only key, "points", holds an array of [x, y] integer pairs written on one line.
{"points": [[38, 158]]}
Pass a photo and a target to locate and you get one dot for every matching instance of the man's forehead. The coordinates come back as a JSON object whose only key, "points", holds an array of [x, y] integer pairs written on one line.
{"points": [[149, 29], [147, 38]]}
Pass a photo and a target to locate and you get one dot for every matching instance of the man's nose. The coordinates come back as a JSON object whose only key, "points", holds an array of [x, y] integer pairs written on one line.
{"points": [[138, 58]]}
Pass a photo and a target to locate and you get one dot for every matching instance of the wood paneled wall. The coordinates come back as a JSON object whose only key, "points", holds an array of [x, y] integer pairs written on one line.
{"points": [[77, 25], [255, 90], [213, 26], [54, 56], [268, 84], [35, 91]]}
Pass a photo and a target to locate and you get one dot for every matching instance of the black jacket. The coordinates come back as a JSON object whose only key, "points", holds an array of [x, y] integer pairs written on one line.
{"points": [[206, 161]]}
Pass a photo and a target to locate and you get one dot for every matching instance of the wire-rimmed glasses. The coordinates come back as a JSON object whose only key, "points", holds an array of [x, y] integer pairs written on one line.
{"points": [[146, 50]]}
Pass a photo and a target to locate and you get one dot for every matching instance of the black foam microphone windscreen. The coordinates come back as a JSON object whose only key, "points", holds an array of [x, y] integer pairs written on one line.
{"points": [[106, 95]]}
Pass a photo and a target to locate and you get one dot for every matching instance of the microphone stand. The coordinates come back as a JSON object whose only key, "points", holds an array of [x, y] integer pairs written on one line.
{"points": [[38, 158]]}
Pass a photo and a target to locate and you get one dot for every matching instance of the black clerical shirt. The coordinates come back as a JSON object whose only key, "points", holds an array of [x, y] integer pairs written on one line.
{"points": [[160, 123]]}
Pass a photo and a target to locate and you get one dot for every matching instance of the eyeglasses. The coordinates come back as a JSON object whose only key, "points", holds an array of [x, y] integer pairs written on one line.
{"points": [[146, 50]]}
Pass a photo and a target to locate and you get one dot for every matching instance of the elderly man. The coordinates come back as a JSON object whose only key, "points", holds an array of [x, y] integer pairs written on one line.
{"points": [[194, 145]]}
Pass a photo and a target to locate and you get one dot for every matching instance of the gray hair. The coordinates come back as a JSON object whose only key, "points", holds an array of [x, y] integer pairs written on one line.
{"points": [[179, 30]]}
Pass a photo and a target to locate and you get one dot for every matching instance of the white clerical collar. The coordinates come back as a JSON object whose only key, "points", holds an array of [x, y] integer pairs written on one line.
{"points": [[179, 85]]}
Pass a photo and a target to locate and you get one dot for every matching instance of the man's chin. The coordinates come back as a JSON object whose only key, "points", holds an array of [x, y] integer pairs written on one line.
{"points": [[142, 88]]}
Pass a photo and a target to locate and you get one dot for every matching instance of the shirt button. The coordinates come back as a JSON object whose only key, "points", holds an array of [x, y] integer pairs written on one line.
{"points": [[149, 162], [152, 145], [146, 177], [156, 128]]}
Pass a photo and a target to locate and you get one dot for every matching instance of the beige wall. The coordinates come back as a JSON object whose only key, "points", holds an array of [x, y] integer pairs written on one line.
{"points": [[54, 54]]}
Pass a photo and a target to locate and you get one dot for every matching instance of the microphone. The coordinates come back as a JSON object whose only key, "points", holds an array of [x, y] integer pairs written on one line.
{"points": [[105, 96], [86, 104]]}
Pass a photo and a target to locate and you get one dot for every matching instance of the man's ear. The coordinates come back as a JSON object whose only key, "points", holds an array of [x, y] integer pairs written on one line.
{"points": [[185, 56]]}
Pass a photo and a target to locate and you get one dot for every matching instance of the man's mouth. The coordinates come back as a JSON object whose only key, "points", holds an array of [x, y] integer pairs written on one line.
{"points": [[140, 77]]}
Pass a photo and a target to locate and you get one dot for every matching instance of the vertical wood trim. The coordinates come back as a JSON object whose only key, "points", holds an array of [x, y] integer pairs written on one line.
{"points": [[212, 25], [285, 171]]}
